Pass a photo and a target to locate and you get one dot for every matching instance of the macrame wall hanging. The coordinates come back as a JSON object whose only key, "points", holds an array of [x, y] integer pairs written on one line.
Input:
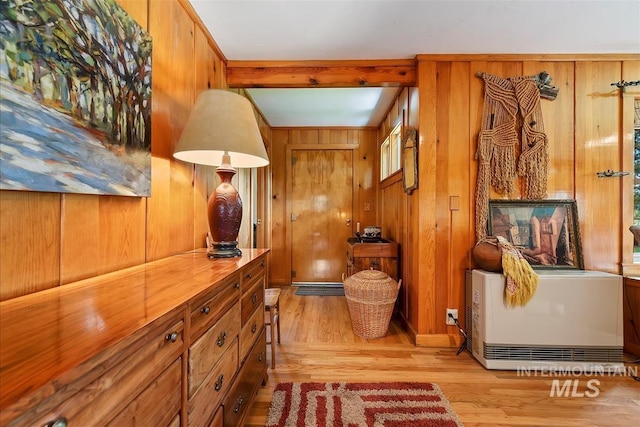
{"points": [[509, 104]]}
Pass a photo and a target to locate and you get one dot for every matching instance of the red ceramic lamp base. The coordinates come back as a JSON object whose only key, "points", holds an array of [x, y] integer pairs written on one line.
{"points": [[225, 216]]}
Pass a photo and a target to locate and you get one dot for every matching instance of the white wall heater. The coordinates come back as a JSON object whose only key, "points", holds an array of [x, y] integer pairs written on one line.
{"points": [[574, 321]]}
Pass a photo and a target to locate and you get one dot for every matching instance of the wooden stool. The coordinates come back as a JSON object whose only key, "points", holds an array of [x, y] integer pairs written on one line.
{"points": [[272, 306]]}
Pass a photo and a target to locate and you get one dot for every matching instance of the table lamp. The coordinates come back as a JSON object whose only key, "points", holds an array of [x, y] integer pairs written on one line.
{"points": [[222, 131]]}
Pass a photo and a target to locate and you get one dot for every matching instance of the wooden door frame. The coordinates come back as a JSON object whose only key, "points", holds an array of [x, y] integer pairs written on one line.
{"points": [[289, 190], [263, 200]]}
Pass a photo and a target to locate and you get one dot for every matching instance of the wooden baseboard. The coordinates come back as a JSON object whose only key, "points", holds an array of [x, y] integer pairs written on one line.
{"points": [[278, 284], [430, 340]]}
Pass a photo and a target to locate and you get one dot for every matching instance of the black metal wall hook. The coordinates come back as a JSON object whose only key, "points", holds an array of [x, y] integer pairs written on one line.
{"points": [[611, 174], [622, 84]]}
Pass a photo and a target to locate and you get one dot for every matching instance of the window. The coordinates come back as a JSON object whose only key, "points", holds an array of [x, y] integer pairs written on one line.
{"points": [[390, 152]]}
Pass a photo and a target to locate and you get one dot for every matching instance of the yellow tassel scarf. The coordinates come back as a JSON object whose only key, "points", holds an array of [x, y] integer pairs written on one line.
{"points": [[522, 280]]}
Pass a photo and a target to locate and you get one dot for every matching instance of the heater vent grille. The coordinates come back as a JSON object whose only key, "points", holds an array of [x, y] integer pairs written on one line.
{"points": [[469, 318], [555, 354]]}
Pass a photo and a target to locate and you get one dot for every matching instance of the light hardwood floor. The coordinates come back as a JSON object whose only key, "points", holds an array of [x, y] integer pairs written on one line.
{"points": [[318, 345]]}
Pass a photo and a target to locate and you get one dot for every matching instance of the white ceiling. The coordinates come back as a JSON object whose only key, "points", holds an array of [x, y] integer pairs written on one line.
{"points": [[396, 29]]}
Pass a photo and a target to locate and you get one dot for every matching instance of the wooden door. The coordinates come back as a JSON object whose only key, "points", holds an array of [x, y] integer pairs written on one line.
{"points": [[321, 214]]}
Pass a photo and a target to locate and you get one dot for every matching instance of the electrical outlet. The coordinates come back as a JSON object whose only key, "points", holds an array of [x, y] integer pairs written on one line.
{"points": [[453, 312]]}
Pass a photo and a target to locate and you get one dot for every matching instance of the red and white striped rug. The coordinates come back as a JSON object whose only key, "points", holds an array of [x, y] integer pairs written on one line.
{"points": [[390, 404]]}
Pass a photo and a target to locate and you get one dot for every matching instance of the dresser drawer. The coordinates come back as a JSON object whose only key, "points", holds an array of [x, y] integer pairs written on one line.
{"points": [[144, 410], [252, 299], [112, 392], [218, 419], [253, 271], [204, 402], [206, 351], [251, 330], [239, 399], [208, 308]]}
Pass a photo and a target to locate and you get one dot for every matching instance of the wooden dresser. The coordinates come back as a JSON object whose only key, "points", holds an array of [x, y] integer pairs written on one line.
{"points": [[381, 256], [175, 342]]}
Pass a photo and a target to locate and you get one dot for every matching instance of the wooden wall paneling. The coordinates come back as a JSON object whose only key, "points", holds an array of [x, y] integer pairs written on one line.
{"points": [[453, 204], [265, 192], [333, 136], [158, 218], [558, 119], [81, 237], [410, 267], [366, 179], [401, 238], [403, 106], [181, 204], [170, 225], [446, 90], [393, 202], [122, 232], [242, 183], [30, 240], [279, 222], [395, 112], [207, 72], [597, 149], [414, 107], [630, 72], [389, 212], [202, 179], [304, 136], [425, 208], [100, 234]]}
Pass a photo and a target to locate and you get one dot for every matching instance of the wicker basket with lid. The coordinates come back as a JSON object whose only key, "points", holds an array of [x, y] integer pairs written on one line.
{"points": [[371, 295]]}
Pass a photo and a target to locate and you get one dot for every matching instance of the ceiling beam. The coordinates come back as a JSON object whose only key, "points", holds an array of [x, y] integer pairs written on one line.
{"points": [[307, 74]]}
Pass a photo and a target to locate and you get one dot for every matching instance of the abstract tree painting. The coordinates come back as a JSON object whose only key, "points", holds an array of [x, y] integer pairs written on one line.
{"points": [[75, 98]]}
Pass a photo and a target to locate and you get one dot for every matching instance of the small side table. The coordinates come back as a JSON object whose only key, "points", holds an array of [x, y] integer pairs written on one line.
{"points": [[381, 256]]}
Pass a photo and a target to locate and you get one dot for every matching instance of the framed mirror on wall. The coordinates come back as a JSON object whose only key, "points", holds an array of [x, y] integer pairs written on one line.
{"points": [[410, 160]]}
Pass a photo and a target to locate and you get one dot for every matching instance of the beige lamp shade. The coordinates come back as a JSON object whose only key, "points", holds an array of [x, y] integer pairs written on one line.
{"points": [[222, 121]]}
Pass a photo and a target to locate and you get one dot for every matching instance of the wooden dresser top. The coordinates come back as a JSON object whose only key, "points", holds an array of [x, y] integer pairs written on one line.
{"points": [[44, 335]]}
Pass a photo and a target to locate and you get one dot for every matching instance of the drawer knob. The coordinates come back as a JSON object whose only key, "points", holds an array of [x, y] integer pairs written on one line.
{"points": [[249, 276], [236, 409], [254, 298], [219, 382], [205, 310], [236, 286], [173, 337], [261, 356], [254, 328], [221, 339], [60, 422], [262, 264]]}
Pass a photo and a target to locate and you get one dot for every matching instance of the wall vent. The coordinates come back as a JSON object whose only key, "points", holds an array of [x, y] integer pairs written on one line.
{"points": [[554, 354]]}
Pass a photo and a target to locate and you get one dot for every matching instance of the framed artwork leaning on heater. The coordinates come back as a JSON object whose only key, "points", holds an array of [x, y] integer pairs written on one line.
{"points": [[545, 231]]}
